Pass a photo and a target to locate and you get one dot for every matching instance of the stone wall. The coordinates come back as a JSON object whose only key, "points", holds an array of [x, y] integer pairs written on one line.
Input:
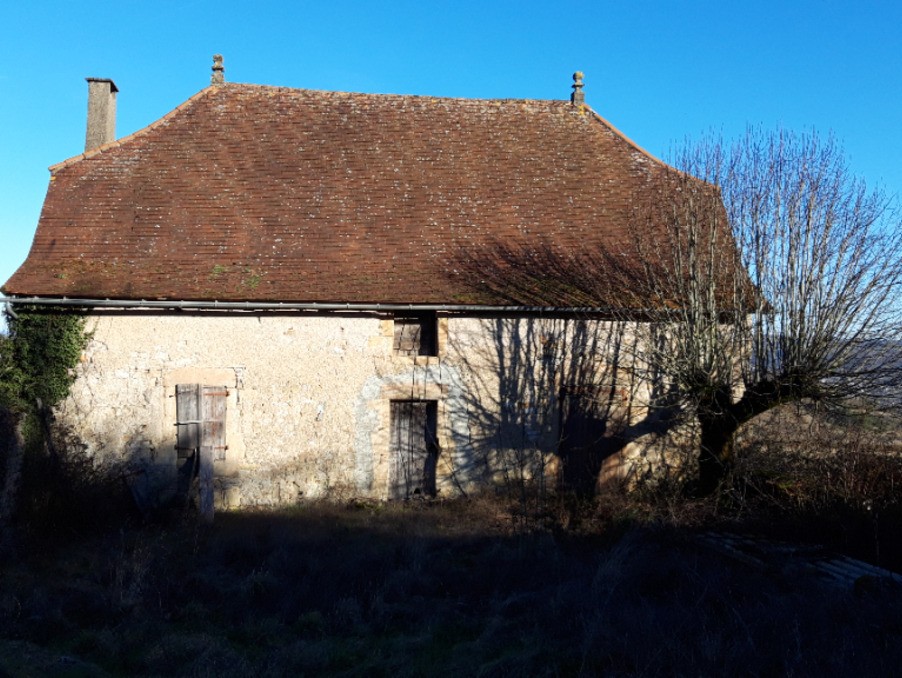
{"points": [[309, 397]]}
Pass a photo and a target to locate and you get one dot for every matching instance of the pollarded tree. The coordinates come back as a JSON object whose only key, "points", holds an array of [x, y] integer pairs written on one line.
{"points": [[759, 273], [780, 284]]}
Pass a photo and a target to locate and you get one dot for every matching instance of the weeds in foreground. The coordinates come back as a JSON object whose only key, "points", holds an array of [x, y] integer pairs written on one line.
{"points": [[492, 585], [416, 589]]}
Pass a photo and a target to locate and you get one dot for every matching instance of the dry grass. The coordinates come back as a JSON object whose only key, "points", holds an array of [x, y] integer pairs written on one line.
{"points": [[423, 589], [521, 585], [823, 477]]}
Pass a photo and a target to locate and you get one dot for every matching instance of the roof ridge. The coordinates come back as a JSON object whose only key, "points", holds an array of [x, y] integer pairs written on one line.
{"points": [[138, 133], [280, 88], [236, 85], [394, 95]]}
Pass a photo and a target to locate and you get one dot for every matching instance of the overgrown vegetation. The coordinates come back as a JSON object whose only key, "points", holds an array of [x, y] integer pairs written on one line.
{"points": [[9, 374], [437, 589], [824, 476], [37, 367], [38, 358], [500, 585]]}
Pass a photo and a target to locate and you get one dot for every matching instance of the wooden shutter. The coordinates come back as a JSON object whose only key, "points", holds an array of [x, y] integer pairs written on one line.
{"points": [[200, 438], [212, 443], [187, 419], [213, 410], [187, 402]]}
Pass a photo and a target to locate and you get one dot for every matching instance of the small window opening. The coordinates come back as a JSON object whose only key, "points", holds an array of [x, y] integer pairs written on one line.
{"points": [[416, 334]]}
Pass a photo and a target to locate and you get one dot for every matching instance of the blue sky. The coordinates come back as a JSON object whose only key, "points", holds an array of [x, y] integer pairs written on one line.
{"points": [[659, 71]]}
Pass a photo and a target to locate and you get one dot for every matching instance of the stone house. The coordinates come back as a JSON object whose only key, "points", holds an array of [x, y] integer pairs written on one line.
{"points": [[307, 293]]}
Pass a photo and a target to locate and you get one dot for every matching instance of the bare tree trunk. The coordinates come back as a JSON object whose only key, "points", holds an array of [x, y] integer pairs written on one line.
{"points": [[716, 452], [45, 418], [13, 446], [720, 419], [719, 423]]}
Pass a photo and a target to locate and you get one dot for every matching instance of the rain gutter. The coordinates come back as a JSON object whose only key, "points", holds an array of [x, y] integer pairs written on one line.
{"points": [[136, 304]]}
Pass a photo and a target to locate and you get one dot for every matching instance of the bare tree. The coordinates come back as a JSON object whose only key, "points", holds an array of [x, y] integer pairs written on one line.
{"points": [[759, 273], [777, 280]]}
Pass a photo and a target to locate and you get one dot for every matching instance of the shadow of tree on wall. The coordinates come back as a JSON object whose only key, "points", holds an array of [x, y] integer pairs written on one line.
{"points": [[560, 395]]}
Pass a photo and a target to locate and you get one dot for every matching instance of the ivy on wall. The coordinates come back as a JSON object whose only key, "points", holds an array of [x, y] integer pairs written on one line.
{"points": [[47, 483], [39, 356]]}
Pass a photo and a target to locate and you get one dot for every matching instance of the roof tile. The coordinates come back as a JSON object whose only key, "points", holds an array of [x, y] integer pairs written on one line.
{"points": [[257, 193]]}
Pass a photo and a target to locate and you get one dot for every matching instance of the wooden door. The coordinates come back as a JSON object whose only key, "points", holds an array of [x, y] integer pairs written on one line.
{"points": [[414, 448]]}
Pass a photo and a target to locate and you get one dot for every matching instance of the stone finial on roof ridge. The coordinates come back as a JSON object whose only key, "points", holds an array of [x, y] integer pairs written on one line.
{"points": [[218, 76], [578, 98]]}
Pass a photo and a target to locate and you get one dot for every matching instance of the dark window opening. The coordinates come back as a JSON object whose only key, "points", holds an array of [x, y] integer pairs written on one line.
{"points": [[414, 448], [416, 334]]}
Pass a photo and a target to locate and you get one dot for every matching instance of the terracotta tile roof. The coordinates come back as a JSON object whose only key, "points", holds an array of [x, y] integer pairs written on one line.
{"points": [[261, 193]]}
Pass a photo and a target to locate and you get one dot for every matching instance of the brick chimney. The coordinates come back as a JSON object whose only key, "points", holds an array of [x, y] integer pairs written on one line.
{"points": [[101, 112]]}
